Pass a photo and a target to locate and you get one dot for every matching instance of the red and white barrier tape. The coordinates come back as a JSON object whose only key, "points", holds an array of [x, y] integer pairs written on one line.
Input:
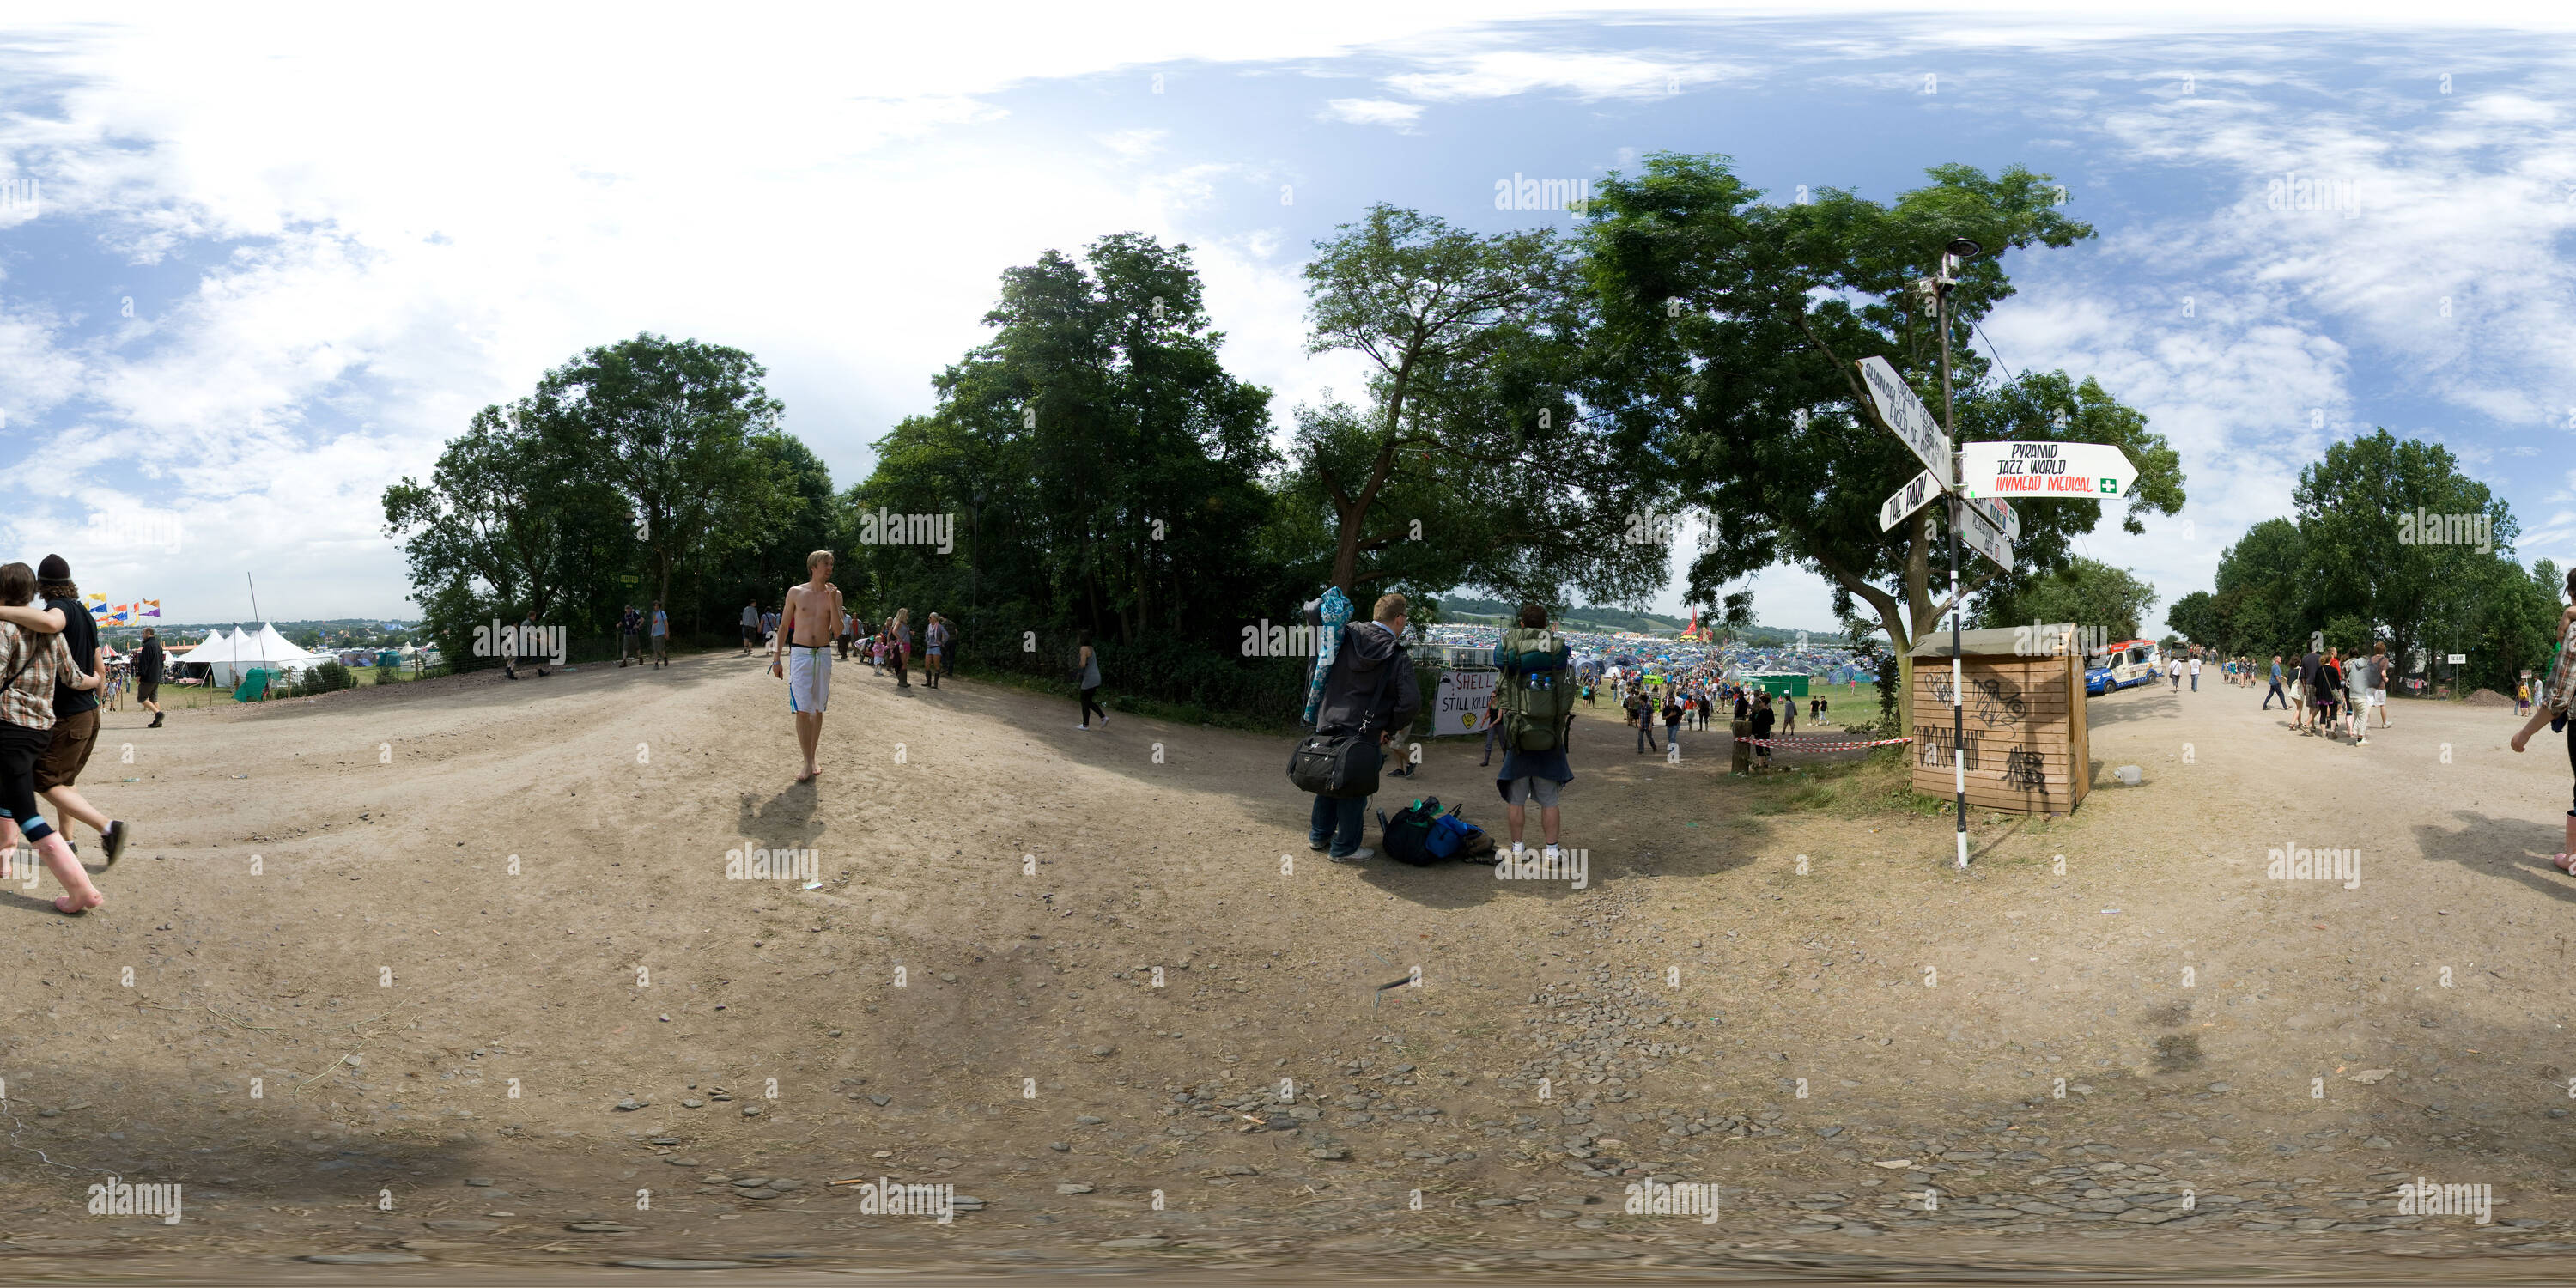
{"points": [[1819, 746]]}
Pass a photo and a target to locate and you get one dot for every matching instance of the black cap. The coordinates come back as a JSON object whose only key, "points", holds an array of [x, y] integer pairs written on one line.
{"points": [[54, 568]]}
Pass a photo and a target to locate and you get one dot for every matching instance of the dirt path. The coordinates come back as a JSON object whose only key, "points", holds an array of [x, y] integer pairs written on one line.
{"points": [[1068, 974]]}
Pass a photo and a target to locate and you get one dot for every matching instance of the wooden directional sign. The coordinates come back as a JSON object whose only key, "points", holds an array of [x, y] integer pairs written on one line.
{"points": [[1908, 499], [1907, 415], [1999, 513], [1985, 538], [2045, 471]]}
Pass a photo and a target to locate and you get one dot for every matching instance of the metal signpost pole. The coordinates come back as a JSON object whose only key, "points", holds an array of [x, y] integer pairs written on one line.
{"points": [[1950, 421]]}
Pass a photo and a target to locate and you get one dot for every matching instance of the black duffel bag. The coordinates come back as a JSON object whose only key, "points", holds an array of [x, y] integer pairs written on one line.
{"points": [[1340, 765]]}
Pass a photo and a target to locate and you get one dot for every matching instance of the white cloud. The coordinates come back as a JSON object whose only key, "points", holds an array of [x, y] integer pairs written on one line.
{"points": [[1133, 145], [1372, 111]]}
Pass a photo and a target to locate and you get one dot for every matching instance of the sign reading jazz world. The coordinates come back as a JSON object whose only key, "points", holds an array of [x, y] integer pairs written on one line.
{"points": [[2047, 470]]}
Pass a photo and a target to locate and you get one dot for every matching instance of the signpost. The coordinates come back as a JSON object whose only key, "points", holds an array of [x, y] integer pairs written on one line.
{"points": [[1979, 481], [2061, 471], [1908, 499]]}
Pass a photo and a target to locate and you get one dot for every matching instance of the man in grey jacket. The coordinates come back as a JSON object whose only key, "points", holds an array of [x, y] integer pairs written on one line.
{"points": [[1370, 691]]}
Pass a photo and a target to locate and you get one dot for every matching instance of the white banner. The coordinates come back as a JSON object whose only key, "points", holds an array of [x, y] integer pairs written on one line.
{"points": [[1465, 696], [2045, 471]]}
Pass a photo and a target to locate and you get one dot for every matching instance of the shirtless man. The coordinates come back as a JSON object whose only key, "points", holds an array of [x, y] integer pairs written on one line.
{"points": [[805, 631]]}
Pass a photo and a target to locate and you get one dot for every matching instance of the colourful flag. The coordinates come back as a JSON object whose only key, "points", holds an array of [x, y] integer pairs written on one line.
{"points": [[150, 607], [123, 616], [98, 605]]}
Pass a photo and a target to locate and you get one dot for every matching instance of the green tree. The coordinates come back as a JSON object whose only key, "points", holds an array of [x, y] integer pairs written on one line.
{"points": [[2357, 510], [2196, 617], [1473, 462], [1098, 463], [495, 532], [2087, 592], [1728, 331], [669, 427]]}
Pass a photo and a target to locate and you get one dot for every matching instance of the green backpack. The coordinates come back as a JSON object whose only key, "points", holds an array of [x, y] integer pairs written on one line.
{"points": [[1538, 690]]}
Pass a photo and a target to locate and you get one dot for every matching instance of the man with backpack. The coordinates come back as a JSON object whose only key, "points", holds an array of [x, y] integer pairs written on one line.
{"points": [[1369, 693], [1537, 696]]}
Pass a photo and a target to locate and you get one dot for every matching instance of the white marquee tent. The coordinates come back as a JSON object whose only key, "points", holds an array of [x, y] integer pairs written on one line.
{"points": [[230, 657]]}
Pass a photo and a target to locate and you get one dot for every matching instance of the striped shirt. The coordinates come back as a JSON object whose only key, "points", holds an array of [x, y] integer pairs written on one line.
{"points": [[29, 702]]}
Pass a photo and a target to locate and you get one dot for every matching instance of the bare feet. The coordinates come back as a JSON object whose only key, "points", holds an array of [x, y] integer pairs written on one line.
{"points": [[72, 905], [809, 775]]}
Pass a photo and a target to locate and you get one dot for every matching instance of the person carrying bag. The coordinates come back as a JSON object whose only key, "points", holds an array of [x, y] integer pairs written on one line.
{"points": [[1369, 697]]}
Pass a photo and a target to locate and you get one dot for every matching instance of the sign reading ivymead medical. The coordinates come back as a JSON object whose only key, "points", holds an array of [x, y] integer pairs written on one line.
{"points": [[2064, 471]]}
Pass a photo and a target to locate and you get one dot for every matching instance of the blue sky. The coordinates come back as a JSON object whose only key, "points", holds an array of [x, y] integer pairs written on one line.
{"points": [[339, 238]]}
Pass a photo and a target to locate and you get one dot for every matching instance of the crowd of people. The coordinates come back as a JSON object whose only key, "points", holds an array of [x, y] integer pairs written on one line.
{"points": [[1370, 693]]}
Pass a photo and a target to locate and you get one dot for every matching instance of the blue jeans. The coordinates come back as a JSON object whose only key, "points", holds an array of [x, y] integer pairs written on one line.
{"points": [[1646, 734], [1338, 822], [2195, 681]]}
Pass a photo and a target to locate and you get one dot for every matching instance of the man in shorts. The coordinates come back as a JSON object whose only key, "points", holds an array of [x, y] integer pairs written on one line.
{"points": [[148, 662], [806, 626], [1533, 775], [661, 636], [750, 626], [630, 640], [75, 730]]}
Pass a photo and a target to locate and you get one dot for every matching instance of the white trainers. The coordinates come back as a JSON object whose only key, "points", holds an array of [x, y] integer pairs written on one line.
{"points": [[1360, 855]]}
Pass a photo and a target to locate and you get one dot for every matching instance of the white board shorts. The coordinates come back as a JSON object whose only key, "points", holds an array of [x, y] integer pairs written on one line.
{"points": [[809, 678]]}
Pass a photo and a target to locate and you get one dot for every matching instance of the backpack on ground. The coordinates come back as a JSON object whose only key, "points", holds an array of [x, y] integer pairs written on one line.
{"points": [[1453, 837], [1406, 837], [1538, 690]]}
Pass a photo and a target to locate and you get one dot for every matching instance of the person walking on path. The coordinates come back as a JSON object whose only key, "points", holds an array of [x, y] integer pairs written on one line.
{"points": [[1741, 730], [2358, 678], [2557, 696], [2195, 673], [74, 728], [148, 663], [36, 664], [1645, 719], [1672, 719], [2379, 681], [1763, 717], [934, 639], [661, 635], [1493, 730], [899, 646], [750, 626], [812, 611], [629, 638], [1086, 677]]}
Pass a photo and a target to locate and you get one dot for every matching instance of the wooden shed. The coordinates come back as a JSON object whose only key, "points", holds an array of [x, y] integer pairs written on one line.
{"points": [[2025, 739]]}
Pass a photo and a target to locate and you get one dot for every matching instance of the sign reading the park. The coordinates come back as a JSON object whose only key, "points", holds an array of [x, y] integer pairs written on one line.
{"points": [[1908, 499], [1907, 415], [2045, 470]]}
